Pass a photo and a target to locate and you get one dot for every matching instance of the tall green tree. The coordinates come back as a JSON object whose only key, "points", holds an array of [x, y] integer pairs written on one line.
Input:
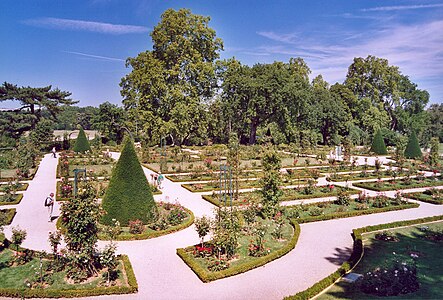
{"points": [[32, 102], [378, 144], [110, 121], [271, 182], [169, 87], [413, 148], [81, 143]]}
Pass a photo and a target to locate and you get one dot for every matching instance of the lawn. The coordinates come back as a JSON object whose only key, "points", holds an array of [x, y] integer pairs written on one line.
{"points": [[434, 196], [414, 245]]}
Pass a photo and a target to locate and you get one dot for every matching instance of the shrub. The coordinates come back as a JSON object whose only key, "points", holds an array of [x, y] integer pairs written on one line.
{"points": [[343, 198], [128, 196], [18, 236], [413, 148], [378, 144], [81, 143], [136, 227]]}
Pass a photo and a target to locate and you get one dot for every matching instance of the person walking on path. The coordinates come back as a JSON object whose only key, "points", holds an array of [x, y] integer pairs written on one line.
{"points": [[49, 203], [160, 179], [54, 152]]}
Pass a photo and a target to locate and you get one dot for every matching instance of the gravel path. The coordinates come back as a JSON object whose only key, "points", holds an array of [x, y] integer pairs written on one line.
{"points": [[161, 274]]}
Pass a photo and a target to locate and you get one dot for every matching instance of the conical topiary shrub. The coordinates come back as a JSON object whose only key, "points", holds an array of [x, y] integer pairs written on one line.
{"points": [[128, 196], [378, 144], [413, 148], [81, 143]]}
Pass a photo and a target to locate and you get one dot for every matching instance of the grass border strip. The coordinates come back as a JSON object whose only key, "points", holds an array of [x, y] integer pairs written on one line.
{"points": [[364, 185], [356, 255], [207, 276]]}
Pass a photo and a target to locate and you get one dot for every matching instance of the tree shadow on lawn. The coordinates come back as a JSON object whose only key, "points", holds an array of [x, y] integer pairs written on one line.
{"points": [[340, 256]]}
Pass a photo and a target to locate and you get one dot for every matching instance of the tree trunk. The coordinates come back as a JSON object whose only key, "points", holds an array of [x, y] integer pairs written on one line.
{"points": [[253, 132]]}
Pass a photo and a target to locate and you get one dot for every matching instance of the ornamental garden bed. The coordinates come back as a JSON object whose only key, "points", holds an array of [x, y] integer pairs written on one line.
{"points": [[365, 175], [243, 184], [251, 251], [306, 192], [172, 218], [433, 196], [345, 207], [11, 199], [20, 273], [17, 186], [7, 215], [93, 163], [404, 183], [397, 268], [11, 174], [356, 255]]}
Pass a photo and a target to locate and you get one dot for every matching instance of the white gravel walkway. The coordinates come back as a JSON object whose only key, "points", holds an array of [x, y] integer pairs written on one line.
{"points": [[161, 274]]}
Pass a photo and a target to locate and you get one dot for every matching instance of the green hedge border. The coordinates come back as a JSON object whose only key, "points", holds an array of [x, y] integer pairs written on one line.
{"points": [[16, 201], [145, 236], [348, 214], [384, 189], [207, 276], [10, 214], [98, 291], [413, 196], [356, 255]]}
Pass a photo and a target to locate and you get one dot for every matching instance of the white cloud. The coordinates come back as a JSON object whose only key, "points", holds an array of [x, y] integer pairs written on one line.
{"points": [[402, 7], [80, 25], [95, 56]]}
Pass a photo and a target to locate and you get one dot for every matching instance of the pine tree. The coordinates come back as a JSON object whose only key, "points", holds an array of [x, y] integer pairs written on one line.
{"points": [[128, 196], [81, 143], [378, 144], [413, 148]]}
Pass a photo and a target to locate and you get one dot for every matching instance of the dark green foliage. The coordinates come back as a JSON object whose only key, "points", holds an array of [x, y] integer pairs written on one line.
{"points": [[81, 143], [128, 196], [271, 182], [378, 144], [413, 148]]}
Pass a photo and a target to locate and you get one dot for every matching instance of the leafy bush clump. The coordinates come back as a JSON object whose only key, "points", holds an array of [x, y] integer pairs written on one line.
{"points": [[378, 144], [81, 143], [413, 148], [136, 227], [398, 279]]}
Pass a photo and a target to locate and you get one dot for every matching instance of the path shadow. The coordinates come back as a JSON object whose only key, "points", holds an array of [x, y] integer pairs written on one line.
{"points": [[340, 255]]}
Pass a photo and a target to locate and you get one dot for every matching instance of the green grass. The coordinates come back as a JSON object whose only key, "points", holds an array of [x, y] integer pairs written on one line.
{"points": [[21, 187], [362, 176], [16, 200], [378, 253], [426, 196], [400, 184]]}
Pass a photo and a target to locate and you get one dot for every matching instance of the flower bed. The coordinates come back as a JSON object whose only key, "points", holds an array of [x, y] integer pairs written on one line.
{"points": [[16, 199], [355, 256], [10, 214], [364, 176], [20, 187], [172, 221], [288, 194], [433, 196], [405, 183], [242, 264]]}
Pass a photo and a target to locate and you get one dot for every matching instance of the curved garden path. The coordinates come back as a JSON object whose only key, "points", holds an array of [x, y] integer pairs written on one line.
{"points": [[161, 274]]}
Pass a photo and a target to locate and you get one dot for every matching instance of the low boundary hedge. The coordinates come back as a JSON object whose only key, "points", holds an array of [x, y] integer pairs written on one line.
{"points": [[18, 199], [356, 255], [207, 276], [150, 235], [348, 214]]}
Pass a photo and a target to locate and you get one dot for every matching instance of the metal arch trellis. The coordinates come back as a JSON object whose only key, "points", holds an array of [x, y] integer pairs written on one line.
{"points": [[226, 190]]}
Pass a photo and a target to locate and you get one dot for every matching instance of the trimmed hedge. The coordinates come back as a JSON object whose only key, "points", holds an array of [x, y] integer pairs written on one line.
{"points": [[81, 143], [58, 293], [207, 276], [413, 148], [150, 235], [378, 144], [10, 214], [18, 199], [128, 196], [416, 196], [356, 255], [348, 214]]}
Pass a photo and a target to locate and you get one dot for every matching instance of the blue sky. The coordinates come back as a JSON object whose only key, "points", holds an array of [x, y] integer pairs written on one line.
{"points": [[81, 46]]}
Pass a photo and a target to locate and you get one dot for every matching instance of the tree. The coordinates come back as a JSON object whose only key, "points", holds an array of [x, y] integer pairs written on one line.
{"points": [[168, 87], [435, 122], [128, 196], [271, 182], [413, 148], [434, 155], [378, 144], [81, 143], [33, 102], [233, 160], [110, 120], [80, 217]]}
